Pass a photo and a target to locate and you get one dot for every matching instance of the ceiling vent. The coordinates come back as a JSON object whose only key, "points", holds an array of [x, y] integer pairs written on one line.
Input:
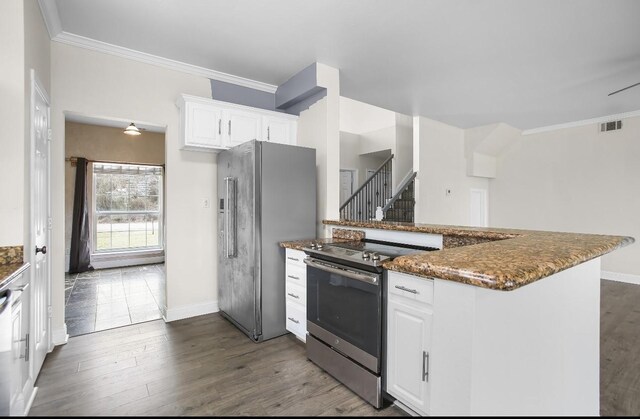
{"points": [[611, 126]]}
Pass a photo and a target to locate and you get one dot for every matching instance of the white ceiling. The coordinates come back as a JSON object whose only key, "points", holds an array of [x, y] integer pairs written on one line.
{"points": [[467, 63]]}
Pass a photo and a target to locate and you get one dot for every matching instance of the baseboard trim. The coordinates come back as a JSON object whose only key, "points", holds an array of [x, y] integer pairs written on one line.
{"points": [[405, 408], [190, 310], [126, 261], [60, 336], [620, 277], [30, 402]]}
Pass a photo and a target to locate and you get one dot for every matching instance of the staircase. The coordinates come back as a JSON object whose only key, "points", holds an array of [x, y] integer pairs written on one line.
{"points": [[400, 208], [375, 192]]}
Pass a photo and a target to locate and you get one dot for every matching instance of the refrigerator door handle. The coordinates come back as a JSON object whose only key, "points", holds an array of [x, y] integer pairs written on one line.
{"points": [[230, 217]]}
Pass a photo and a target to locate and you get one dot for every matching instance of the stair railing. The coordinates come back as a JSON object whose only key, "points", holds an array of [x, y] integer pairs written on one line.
{"points": [[373, 193], [403, 186]]}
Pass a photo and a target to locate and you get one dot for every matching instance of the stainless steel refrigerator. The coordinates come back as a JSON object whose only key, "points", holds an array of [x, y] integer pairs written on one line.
{"points": [[266, 194]]}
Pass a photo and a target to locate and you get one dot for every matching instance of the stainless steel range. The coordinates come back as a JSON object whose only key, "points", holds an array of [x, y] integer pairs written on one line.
{"points": [[345, 309]]}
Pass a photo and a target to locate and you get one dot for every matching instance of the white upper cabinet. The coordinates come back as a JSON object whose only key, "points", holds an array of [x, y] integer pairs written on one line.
{"points": [[241, 126], [200, 124], [211, 125], [279, 129]]}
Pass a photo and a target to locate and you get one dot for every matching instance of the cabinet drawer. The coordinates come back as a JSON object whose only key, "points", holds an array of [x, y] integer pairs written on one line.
{"points": [[296, 294], [296, 275], [410, 287], [297, 320], [296, 258]]}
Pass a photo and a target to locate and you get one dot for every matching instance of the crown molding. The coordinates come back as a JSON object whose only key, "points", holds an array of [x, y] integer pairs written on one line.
{"points": [[49, 10], [94, 45], [582, 122]]}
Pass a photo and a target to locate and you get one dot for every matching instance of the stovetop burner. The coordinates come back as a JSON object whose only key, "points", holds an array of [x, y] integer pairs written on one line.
{"points": [[366, 254]]}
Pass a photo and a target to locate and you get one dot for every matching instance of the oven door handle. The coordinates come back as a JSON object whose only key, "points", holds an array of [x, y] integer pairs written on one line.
{"points": [[369, 279]]}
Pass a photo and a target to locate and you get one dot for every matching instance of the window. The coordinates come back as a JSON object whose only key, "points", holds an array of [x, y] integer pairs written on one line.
{"points": [[127, 207]]}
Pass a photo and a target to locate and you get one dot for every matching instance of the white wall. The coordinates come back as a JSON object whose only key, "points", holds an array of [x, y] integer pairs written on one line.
{"points": [[403, 160], [441, 166], [577, 180], [12, 135], [350, 157], [359, 117], [318, 127], [110, 87]]}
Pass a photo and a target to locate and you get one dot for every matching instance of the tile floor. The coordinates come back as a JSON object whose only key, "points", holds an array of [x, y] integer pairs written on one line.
{"points": [[108, 298]]}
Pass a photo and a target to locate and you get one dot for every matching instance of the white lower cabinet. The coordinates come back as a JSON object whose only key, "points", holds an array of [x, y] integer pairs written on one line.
{"points": [[409, 322], [296, 290]]}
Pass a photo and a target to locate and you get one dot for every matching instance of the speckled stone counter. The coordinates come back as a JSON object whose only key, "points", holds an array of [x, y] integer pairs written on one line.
{"points": [[501, 259], [339, 235], [11, 264], [300, 244]]}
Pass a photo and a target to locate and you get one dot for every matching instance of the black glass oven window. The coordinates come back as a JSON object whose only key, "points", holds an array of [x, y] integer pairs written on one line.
{"points": [[348, 308]]}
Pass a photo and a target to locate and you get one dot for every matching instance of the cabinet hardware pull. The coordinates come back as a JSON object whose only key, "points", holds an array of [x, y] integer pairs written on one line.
{"points": [[219, 126], [26, 348], [268, 134], [42, 250], [229, 127], [401, 288], [293, 295], [294, 277], [294, 320], [425, 363], [290, 258]]}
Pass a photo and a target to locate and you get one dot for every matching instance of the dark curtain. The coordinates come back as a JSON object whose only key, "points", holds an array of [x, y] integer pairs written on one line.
{"points": [[79, 260]]}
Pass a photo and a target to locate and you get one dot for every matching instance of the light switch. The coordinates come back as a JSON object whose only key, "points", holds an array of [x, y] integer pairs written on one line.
{"points": [[206, 203]]}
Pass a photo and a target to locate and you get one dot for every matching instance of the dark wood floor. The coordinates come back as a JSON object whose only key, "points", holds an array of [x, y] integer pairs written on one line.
{"points": [[198, 366], [619, 349], [204, 366]]}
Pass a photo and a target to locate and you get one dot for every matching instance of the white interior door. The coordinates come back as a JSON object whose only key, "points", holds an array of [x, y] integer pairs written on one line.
{"points": [[40, 224], [346, 185], [479, 213]]}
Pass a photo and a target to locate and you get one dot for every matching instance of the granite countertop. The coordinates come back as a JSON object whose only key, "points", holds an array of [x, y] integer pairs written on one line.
{"points": [[502, 259], [300, 244], [9, 271]]}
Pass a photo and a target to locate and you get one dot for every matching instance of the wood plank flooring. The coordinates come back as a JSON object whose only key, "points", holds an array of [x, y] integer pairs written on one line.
{"points": [[619, 349], [204, 366], [198, 366]]}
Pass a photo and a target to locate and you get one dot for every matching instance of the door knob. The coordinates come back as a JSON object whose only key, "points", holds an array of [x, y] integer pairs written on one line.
{"points": [[42, 250]]}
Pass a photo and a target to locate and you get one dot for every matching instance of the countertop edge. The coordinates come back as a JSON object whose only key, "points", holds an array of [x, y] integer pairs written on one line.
{"points": [[9, 278]]}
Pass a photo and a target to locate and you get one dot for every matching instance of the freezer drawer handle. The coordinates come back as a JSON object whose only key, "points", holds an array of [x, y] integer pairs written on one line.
{"points": [[294, 320], [293, 295], [230, 217], [294, 277], [294, 259]]}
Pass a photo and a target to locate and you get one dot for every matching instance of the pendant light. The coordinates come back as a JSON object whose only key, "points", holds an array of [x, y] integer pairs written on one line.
{"points": [[132, 130]]}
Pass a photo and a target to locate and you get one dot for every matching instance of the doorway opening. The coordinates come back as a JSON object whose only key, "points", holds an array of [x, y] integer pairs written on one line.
{"points": [[114, 210]]}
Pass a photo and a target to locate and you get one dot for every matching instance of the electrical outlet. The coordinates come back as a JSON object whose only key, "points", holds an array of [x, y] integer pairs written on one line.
{"points": [[206, 203]]}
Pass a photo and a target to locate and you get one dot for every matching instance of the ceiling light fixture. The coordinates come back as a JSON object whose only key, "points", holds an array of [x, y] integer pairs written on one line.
{"points": [[132, 130]]}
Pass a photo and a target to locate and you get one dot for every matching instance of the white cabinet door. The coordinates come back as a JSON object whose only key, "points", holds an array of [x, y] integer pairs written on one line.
{"points": [[278, 130], [241, 126], [203, 126], [408, 345], [17, 351]]}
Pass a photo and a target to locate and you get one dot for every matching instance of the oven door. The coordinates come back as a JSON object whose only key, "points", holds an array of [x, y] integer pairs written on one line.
{"points": [[344, 310]]}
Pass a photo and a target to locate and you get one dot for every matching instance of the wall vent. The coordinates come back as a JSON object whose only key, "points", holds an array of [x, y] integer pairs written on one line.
{"points": [[610, 126]]}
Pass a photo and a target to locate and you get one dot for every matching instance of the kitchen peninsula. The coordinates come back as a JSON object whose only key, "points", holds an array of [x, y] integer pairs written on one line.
{"points": [[497, 322]]}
